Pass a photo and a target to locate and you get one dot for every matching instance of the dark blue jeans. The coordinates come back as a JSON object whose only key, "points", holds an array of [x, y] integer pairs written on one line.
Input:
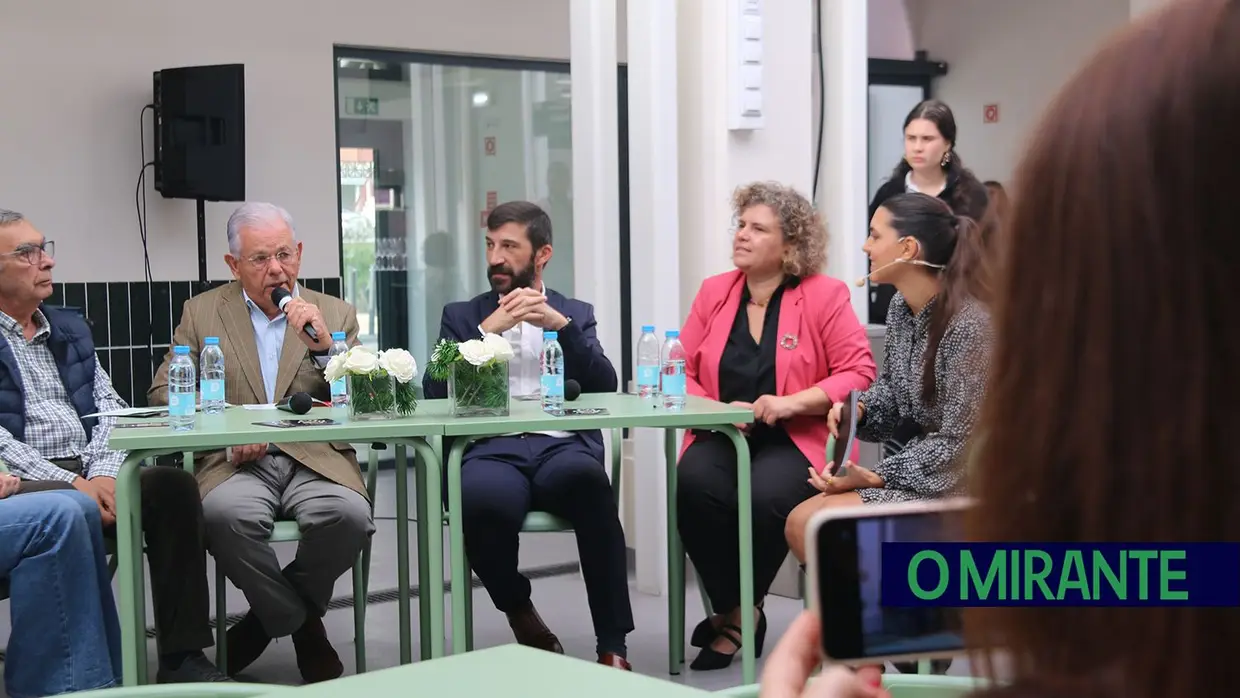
{"points": [[65, 632]]}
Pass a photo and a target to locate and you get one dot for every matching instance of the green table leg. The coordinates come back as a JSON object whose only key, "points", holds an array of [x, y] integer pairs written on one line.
{"points": [[744, 514], [132, 587], [402, 553], [462, 583], [424, 580], [430, 526], [675, 564]]}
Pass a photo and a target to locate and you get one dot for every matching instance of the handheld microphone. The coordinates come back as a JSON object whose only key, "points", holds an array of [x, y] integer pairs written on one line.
{"points": [[297, 403], [281, 297], [572, 390]]}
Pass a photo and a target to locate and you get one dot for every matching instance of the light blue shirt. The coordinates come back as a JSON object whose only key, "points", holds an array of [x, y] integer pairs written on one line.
{"points": [[269, 337]]}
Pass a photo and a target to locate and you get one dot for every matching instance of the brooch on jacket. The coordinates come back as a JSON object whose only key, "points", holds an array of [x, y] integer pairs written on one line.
{"points": [[789, 341]]}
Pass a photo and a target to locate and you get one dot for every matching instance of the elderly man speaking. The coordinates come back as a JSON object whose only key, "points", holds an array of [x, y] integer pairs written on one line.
{"points": [[269, 357]]}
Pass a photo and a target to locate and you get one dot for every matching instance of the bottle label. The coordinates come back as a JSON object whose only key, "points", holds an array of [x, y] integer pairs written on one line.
{"points": [[648, 376], [182, 404], [552, 385], [212, 390], [339, 387], [673, 384]]}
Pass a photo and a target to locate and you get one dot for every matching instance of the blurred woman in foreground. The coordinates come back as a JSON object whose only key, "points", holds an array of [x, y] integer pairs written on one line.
{"points": [[1108, 412]]}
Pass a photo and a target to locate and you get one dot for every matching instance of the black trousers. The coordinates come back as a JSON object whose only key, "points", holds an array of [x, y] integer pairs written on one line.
{"points": [[503, 479], [706, 500], [175, 553]]}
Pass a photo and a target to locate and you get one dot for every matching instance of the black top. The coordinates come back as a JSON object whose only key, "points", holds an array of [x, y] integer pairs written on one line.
{"points": [[747, 368]]}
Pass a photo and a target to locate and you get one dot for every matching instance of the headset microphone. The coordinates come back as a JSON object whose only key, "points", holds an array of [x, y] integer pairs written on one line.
{"points": [[861, 282]]}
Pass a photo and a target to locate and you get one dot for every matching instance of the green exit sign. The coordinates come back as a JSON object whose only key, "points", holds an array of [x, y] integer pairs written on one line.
{"points": [[362, 106]]}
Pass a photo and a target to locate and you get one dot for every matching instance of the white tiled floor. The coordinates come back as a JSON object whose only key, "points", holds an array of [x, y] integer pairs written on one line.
{"points": [[560, 600]]}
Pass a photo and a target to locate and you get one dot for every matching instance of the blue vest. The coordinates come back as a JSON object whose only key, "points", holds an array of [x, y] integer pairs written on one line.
{"points": [[74, 348]]}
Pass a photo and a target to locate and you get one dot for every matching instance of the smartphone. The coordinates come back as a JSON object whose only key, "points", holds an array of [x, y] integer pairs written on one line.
{"points": [[844, 550], [838, 450]]}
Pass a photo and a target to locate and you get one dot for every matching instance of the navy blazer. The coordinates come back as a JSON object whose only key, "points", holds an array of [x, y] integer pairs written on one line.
{"points": [[584, 360]]}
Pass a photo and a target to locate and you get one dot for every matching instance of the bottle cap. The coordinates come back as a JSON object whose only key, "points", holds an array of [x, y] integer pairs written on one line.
{"points": [[672, 333], [647, 328], [211, 341], [551, 334], [181, 351], [338, 336]]}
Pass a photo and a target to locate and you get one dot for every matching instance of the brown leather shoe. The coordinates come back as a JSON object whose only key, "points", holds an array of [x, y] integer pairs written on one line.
{"points": [[530, 630], [247, 640], [614, 660], [316, 658]]}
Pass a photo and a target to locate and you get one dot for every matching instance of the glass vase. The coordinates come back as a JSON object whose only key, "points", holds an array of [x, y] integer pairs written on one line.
{"points": [[372, 396], [479, 391]]}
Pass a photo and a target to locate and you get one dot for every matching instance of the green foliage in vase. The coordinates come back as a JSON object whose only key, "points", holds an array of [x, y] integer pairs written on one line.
{"points": [[406, 398], [372, 393], [446, 354], [481, 386]]}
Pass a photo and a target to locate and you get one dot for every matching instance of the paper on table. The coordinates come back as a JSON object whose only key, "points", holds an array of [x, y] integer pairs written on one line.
{"points": [[131, 411], [268, 406]]}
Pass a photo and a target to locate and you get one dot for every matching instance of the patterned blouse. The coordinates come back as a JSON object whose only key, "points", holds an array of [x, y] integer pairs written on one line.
{"points": [[932, 464]]}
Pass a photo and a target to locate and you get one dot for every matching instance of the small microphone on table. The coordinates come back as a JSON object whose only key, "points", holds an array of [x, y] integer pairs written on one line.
{"points": [[572, 390], [281, 297], [297, 403]]}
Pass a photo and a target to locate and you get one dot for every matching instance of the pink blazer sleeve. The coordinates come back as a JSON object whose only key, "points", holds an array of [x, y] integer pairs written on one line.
{"points": [[849, 360], [691, 336]]}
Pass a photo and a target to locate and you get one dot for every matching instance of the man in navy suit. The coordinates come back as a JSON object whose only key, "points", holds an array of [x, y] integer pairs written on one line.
{"points": [[504, 478]]}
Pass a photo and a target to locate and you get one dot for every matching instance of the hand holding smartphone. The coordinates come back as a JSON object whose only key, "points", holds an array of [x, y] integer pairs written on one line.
{"points": [[844, 562], [839, 448]]}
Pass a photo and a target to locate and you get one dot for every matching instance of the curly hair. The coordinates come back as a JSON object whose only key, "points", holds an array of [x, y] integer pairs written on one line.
{"points": [[804, 232]]}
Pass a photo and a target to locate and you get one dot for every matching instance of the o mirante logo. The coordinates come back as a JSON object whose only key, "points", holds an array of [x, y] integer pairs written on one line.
{"points": [[1060, 574]]}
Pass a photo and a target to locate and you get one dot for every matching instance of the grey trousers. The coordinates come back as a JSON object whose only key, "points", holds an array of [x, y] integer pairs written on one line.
{"points": [[335, 523]]}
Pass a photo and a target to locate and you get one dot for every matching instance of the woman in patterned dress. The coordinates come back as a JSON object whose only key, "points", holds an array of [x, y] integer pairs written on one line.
{"points": [[934, 371]]}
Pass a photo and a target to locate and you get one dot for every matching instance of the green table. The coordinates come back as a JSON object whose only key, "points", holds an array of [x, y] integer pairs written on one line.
{"points": [[511, 671], [235, 427], [622, 411]]}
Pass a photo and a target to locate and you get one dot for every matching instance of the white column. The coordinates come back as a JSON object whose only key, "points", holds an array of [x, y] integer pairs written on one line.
{"points": [[842, 184], [596, 165], [653, 208]]}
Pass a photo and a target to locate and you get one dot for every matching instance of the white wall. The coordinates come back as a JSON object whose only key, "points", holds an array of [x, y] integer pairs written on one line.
{"points": [[714, 160], [889, 35], [81, 72], [1014, 53]]}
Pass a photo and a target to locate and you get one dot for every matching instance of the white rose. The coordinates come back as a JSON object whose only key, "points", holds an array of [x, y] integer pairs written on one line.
{"points": [[335, 368], [476, 352], [360, 361], [498, 346], [399, 364]]}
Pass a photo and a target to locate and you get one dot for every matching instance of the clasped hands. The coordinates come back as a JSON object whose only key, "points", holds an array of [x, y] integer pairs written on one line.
{"points": [[523, 305], [769, 410]]}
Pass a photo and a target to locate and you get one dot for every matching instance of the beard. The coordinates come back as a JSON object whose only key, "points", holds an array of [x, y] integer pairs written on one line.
{"points": [[512, 278]]}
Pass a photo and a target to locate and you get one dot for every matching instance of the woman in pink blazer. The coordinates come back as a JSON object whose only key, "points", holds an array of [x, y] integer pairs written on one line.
{"points": [[779, 337]]}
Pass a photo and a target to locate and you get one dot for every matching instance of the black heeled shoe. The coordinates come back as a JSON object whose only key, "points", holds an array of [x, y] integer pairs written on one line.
{"points": [[710, 659], [703, 633]]}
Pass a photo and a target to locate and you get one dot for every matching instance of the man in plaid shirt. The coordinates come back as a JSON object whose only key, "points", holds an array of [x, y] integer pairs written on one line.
{"points": [[50, 380]]}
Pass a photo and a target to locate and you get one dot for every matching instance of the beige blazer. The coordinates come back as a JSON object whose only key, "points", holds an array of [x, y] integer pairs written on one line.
{"points": [[222, 312]]}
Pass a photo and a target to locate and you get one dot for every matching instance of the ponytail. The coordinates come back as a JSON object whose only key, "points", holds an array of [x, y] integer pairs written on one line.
{"points": [[965, 275]]}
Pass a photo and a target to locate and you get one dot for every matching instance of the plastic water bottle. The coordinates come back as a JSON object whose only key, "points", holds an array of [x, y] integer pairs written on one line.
{"points": [[211, 376], [673, 372], [648, 364], [552, 373], [182, 390], [340, 386]]}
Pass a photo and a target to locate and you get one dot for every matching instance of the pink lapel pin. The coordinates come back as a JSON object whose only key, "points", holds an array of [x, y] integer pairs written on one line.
{"points": [[789, 341]]}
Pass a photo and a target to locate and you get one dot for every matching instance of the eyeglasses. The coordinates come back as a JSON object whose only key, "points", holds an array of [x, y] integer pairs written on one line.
{"points": [[31, 253], [284, 257]]}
